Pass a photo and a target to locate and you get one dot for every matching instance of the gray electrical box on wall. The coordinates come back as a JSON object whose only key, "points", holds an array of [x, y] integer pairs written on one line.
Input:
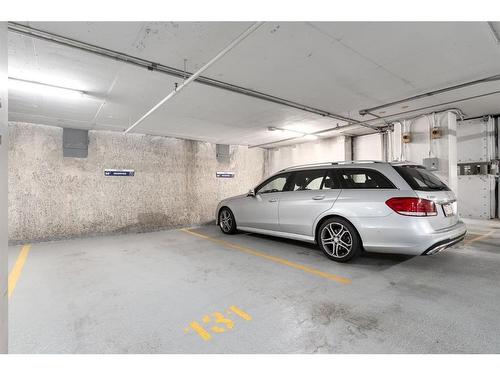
{"points": [[75, 143], [431, 164], [222, 153]]}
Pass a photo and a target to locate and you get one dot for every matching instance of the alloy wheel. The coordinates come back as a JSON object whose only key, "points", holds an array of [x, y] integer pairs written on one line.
{"points": [[336, 240], [225, 221]]}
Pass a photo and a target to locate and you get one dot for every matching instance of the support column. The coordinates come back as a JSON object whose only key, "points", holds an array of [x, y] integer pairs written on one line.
{"points": [[452, 152], [4, 144], [396, 144], [348, 154]]}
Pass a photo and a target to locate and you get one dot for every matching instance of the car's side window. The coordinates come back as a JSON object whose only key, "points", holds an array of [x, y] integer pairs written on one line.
{"points": [[273, 185], [307, 180], [363, 179], [331, 181]]}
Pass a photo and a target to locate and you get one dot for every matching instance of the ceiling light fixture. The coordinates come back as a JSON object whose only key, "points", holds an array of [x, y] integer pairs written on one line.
{"points": [[283, 130], [44, 88], [300, 134]]}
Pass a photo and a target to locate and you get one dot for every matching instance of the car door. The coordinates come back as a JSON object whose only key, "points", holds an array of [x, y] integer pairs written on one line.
{"points": [[261, 210], [309, 193]]}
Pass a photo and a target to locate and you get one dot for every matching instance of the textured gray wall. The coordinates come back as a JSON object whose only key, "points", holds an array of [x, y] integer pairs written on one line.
{"points": [[174, 185], [3, 188]]}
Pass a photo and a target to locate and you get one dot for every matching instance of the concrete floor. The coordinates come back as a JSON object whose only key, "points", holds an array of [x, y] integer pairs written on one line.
{"points": [[152, 292]]}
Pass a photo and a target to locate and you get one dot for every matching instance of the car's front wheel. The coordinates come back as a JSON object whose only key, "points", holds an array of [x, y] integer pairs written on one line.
{"points": [[227, 223], [339, 240]]}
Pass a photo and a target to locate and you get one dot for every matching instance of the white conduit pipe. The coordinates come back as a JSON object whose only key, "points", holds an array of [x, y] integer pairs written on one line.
{"points": [[195, 75]]}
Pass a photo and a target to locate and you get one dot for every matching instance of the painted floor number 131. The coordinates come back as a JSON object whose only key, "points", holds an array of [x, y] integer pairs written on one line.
{"points": [[216, 322]]}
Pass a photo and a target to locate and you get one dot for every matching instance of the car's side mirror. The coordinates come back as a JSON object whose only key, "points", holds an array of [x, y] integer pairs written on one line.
{"points": [[251, 193]]}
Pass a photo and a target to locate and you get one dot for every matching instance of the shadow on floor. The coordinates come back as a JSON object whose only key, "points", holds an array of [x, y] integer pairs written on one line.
{"points": [[380, 261]]}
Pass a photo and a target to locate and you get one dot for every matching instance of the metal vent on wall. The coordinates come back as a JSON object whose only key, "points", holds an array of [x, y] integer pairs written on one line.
{"points": [[222, 153], [75, 143]]}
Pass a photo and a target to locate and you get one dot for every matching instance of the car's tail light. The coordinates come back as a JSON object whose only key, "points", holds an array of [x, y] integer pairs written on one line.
{"points": [[412, 206]]}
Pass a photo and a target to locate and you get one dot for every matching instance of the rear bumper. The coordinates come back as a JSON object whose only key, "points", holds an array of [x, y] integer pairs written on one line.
{"points": [[441, 245], [414, 237]]}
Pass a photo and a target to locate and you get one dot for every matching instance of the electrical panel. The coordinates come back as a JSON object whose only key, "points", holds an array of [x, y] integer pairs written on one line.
{"points": [[75, 143], [478, 167], [431, 164], [222, 153], [476, 196], [475, 140]]}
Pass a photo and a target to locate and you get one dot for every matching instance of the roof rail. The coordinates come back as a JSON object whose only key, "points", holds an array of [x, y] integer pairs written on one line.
{"points": [[331, 163], [307, 165], [404, 162], [358, 161]]}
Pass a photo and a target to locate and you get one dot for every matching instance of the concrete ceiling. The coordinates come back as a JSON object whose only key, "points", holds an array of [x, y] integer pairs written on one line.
{"points": [[340, 67]]}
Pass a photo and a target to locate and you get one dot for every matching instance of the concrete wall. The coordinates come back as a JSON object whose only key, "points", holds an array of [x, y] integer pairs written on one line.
{"points": [[174, 184], [365, 147], [368, 147], [322, 150], [3, 188]]}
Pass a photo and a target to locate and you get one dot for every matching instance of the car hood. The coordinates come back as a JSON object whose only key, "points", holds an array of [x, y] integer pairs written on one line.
{"points": [[232, 198]]}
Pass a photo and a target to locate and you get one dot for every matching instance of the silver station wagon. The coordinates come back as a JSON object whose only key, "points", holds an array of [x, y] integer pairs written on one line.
{"points": [[348, 207]]}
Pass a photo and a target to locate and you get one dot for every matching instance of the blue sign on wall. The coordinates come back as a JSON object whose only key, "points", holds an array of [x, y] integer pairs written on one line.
{"points": [[224, 174], [119, 172]]}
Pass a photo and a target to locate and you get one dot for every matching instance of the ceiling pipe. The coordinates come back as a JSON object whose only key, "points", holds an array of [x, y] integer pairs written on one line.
{"points": [[179, 73], [384, 118], [456, 111], [152, 66], [439, 105], [431, 93], [195, 75], [383, 126], [413, 110]]}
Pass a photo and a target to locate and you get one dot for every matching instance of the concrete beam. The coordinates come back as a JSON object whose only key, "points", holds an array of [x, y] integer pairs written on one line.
{"points": [[3, 189]]}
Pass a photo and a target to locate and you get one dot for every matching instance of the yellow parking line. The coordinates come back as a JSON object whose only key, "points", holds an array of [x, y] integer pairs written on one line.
{"points": [[18, 267], [326, 275], [480, 237]]}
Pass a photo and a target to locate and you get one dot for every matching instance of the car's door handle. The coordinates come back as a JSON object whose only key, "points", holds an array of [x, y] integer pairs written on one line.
{"points": [[318, 197], [273, 200]]}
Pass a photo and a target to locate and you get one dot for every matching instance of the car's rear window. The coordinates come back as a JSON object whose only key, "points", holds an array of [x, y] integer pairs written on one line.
{"points": [[420, 178], [354, 178]]}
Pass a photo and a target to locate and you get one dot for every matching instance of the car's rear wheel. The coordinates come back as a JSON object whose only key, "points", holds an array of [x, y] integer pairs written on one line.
{"points": [[227, 223], [339, 240]]}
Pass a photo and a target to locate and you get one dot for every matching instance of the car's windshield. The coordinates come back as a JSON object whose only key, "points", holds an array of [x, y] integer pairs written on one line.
{"points": [[420, 178]]}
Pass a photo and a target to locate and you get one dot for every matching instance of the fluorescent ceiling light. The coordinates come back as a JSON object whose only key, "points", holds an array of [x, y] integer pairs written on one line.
{"points": [[44, 89], [300, 134], [285, 130]]}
